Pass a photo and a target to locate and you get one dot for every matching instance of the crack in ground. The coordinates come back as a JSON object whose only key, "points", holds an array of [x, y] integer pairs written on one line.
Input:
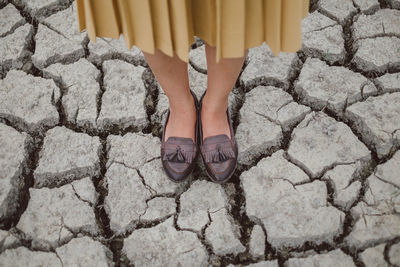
{"points": [[80, 198], [99, 96], [379, 35], [113, 55], [384, 4], [387, 248], [26, 59], [385, 181], [70, 58], [13, 28], [348, 123], [29, 67], [32, 148], [200, 236], [55, 30], [149, 188], [329, 15], [151, 100], [240, 218], [323, 28], [355, 131], [102, 219], [349, 41], [115, 243], [59, 258], [44, 12]]}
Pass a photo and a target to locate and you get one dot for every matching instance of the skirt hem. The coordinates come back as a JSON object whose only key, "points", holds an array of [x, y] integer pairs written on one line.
{"points": [[170, 26]]}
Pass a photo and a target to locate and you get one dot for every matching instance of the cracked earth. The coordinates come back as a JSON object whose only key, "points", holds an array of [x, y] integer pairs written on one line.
{"points": [[318, 176]]}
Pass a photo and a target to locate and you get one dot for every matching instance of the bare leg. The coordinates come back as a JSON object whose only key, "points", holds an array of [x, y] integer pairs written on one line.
{"points": [[220, 82], [171, 73]]}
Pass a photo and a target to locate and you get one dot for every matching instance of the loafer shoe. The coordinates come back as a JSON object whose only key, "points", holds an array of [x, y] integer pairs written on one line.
{"points": [[219, 152], [179, 154]]}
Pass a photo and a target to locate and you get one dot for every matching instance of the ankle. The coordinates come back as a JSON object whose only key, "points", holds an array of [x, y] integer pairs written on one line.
{"points": [[182, 106], [213, 105]]}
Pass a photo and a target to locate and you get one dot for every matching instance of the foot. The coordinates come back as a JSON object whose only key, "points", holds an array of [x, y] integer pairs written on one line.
{"points": [[213, 117], [182, 120]]}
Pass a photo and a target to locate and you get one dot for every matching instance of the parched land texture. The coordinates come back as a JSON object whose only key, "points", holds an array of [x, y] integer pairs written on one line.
{"points": [[318, 176]]}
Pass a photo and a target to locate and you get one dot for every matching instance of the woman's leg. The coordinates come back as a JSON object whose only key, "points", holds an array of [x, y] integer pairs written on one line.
{"points": [[172, 75], [221, 79]]}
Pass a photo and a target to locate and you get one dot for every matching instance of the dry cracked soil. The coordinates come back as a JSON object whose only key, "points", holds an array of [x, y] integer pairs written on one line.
{"points": [[318, 179]]}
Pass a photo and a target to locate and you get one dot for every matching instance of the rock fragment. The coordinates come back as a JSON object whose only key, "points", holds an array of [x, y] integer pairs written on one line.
{"points": [[106, 48], [264, 67], [272, 263], [394, 254], [327, 143], [341, 10], [53, 216], [389, 82], [134, 169], [163, 245], [66, 156], [52, 47], [371, 229], [222, 235], [7, 241], [211, 213], [157, 181], [10, 19], [384, 22], [159, 208], [126, 198], [291, 214], [28, 101], [367, 6], [389, 170], [85, 190], [319, 87], [374, 256], [377, 121], [346, 188], [322, 37], [395, 4], [370, 57], [197, 58], [65, 22], [329, 259], [80, 100], [382, 195], [24, 257], [132, 149], [375, 216], [124, 97], [257, 242], [14, 51], [194, 214], [265, 114], [43, 8], [84, 251], [13, 160]]}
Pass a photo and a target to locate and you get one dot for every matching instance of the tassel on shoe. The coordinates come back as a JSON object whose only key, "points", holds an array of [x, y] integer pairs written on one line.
{"points": [[219, 155], [179, 156]]}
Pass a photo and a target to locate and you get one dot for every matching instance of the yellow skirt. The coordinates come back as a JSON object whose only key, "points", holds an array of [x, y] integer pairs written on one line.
{"points": [[170, 25]]}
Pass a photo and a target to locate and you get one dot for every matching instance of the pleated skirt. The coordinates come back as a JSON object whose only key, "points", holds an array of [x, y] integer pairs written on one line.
{"points": [[170, 25]]}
